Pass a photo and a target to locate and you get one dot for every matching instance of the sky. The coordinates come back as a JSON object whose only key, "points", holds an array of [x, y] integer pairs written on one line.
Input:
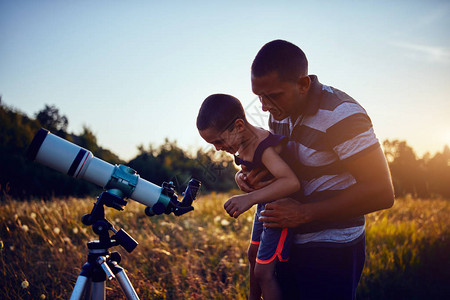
{"points": [[136, 72]]}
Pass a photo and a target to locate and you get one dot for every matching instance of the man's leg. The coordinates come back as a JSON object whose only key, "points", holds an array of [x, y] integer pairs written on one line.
{"points": [[322, 272]]}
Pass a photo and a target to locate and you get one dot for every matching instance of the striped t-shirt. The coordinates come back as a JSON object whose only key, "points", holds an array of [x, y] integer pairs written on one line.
{"points": [[333, 128]]}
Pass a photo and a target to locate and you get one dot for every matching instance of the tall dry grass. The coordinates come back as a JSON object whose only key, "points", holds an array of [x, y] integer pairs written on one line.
{"points": [[202, 255]]}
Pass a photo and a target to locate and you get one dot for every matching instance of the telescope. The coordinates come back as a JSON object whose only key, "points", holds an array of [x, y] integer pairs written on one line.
{"points": [[118, 181]]}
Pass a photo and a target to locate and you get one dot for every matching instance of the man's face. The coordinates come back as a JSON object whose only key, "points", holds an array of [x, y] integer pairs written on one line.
{"points": [[222, 141], [281, 98]]}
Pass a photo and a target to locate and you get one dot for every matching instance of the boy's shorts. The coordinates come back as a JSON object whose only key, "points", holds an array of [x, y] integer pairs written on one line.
{"points": [[273, 242]]}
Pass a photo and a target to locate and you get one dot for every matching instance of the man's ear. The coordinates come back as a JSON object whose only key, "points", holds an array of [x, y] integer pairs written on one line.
{"points": [[304, 84]]}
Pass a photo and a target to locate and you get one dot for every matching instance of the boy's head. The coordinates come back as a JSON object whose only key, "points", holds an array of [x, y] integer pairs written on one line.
{"points": [[219, 111], [216, 121]]}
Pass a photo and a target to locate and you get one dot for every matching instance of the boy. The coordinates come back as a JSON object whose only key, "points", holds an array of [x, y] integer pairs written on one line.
{"points": [[221, 121]]}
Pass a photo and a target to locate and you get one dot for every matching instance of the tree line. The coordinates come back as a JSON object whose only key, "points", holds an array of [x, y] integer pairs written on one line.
{"points": [[23, 179]]}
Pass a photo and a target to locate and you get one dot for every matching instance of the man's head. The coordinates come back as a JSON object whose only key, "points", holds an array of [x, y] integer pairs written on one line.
{"points": [[280, 78], [218, 119]]}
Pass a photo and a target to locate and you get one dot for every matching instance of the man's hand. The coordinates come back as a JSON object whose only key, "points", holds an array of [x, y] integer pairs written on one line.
{"points": [[250, 181], [237, 205], [285, 213], [241, 181]]}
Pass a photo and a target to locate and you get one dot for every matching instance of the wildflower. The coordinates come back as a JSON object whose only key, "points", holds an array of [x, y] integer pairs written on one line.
{"points": [[186, 224], [75, 230], [224, 222], [60, 250], [25, 284], [164, 223], [11, 248], [56, 230], [25, 228], [42, 297], [33, 215], [249, 219], [167, 238], [217, 219], [1, 244]]}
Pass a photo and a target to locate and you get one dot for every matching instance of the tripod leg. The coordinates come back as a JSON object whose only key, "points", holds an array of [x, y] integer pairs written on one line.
{"points": [[83, 285], [99, 290], [124, 282], [79, 288]]}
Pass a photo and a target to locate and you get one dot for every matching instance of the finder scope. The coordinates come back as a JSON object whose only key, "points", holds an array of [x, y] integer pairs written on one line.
{"points": [[118, 181]]}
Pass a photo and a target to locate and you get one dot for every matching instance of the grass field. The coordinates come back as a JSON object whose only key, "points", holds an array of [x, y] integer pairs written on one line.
{"points": [[202, 255]]}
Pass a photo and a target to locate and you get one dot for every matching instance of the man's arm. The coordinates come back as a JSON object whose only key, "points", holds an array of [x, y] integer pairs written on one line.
{"points": [[373, 191]]}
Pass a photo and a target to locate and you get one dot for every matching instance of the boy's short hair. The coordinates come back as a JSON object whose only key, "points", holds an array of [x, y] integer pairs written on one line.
{"points": [[283, 57], [219, 111]]}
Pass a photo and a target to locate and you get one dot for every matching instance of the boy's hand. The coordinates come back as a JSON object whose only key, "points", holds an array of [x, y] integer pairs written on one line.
{"points": [[237, 205]]}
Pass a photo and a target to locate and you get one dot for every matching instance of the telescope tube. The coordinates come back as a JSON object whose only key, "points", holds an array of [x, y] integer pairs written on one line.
{"points": [[73, 160]]}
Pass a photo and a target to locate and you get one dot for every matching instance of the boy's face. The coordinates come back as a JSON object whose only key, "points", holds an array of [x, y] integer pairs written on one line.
{"points": [[222, 141]]}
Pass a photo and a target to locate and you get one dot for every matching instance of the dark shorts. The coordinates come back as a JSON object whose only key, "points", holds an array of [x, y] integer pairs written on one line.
{"points": [[322, 272], [273, 242]]}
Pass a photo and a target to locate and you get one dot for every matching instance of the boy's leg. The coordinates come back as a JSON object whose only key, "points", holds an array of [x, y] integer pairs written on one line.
{"points": [[255, 290], [265, 276]]}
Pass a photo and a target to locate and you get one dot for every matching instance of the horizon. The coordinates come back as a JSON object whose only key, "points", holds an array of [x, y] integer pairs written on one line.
{"points": [[137, 74], [192, 151]]}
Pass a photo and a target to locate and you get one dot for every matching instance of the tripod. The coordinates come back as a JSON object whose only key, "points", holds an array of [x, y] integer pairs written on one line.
{"points": [[101, 264]]}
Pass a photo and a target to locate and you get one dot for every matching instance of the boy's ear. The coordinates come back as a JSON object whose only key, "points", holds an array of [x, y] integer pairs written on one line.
{"points": [[239, 124]]}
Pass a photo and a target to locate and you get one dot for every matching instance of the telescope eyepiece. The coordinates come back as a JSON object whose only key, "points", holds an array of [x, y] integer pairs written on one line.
{"points": [[191, 192]]}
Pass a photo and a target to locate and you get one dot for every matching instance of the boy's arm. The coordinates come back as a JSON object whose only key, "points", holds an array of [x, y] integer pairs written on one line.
{"points": [[285, 183]]}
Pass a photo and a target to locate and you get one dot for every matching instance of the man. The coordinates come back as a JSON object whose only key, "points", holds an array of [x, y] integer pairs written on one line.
{"points": [[344, 174]]}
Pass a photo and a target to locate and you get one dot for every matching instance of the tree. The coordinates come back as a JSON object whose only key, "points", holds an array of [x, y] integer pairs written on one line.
{"points": [[408, 173], [438, 173], [88, 140], [52, 120]]}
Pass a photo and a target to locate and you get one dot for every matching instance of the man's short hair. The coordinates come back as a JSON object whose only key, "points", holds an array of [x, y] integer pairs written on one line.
{"points": [[283, 57], [219, 111]]}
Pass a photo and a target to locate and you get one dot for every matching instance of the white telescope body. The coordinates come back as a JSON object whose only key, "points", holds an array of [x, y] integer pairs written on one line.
{"points": [[66, 157]]}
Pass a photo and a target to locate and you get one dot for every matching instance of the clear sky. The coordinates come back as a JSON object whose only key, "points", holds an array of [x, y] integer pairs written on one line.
{"points": [[136, 72]]}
